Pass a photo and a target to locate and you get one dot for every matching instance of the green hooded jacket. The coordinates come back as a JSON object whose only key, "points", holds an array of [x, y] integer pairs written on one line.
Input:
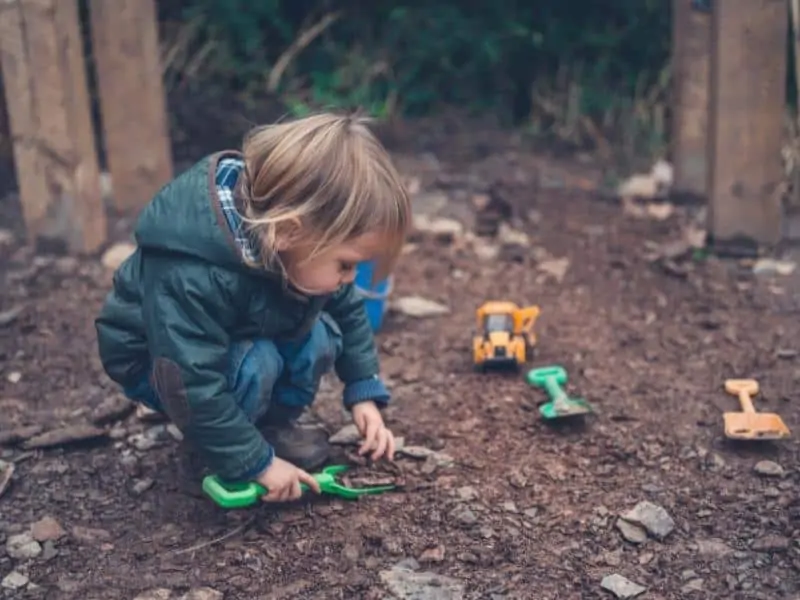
{"points": [[186, 294]]}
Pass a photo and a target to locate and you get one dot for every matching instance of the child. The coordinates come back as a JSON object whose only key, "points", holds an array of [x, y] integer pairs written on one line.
{"points": [[240, 297]]}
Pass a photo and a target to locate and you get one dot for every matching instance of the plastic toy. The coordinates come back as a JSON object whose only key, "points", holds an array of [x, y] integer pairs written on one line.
{"points": [[241, 495], [748, 424], [505, 334], [551, 379]]}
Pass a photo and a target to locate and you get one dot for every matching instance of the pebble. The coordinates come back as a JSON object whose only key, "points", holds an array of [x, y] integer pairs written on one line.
{"points": [[202, 593], [47, 529], [621, 587], [14, 581], [632, 533], [713, 548], [416, 306], [467, 493], [22, 546], [465, 516], [693, 585], [768, 468], [655, 519], [346, 436], [141, 486], [155, 594], [405, 584]]}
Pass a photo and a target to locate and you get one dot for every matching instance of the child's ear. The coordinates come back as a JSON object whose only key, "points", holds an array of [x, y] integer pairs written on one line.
{"points": [[287, 235]]}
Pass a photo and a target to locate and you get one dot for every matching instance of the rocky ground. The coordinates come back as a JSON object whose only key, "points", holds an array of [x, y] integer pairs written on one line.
{"points": [[645, 499]]}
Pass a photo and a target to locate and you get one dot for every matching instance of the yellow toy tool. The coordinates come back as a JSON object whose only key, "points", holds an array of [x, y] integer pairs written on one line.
{"points": [[505, 335]]}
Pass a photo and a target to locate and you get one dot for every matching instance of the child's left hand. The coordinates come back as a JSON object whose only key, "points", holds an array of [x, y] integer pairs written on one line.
{"points": [[377, 437]]}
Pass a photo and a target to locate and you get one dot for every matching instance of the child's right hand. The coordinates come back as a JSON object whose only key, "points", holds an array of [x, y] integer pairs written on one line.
{"points": [[282, 481]]}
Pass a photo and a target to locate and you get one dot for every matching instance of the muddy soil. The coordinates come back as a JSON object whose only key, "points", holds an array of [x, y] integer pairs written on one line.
{"points": [[497, 503]]}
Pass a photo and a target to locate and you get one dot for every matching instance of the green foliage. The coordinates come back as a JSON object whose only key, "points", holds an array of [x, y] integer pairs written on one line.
{"points": [[412, 57]]}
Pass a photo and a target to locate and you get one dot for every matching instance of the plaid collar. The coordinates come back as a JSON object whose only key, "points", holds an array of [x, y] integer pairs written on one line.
{"points": [[227, 174]]}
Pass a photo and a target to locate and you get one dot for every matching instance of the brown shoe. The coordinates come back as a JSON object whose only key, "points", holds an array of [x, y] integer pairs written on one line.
{"points": [[305, 446]]}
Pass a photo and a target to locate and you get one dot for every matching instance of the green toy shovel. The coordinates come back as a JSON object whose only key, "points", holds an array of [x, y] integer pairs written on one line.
{"points": [[241, 495], [551, 379]]}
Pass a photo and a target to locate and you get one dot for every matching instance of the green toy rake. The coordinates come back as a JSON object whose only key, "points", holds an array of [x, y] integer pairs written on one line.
{"points": [[241, 495]]}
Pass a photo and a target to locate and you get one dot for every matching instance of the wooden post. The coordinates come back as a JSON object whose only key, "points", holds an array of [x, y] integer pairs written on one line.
{"points": [[55, 157], [132, 102], [748, 100], [691, 51]]}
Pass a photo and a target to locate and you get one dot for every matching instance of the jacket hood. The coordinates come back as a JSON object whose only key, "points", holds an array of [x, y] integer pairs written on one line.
{"points": [[186, 216]]}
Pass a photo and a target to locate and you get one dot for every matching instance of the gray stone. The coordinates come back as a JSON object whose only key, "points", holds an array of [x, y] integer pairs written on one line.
{"points": [[652, 517], [633, 533], [621, 587], [14, 581], [22, 546], [768, 468], [203, 593], [414, 585]]}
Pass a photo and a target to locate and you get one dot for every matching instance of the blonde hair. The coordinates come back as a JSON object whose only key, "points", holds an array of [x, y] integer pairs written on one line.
{"points": [[331, 176]]}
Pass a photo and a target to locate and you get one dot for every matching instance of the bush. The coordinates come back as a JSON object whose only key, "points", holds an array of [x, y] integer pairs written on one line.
{"points": [[512, 57]]}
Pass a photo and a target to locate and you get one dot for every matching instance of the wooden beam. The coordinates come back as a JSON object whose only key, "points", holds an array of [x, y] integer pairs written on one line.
{"points": [[691, 52], [50, 121], [748, 92], [132, 102]]}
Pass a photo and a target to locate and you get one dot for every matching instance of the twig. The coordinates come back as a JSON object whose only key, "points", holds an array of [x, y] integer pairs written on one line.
{"points": [[795, 9], [235, 531], [297, 46]]}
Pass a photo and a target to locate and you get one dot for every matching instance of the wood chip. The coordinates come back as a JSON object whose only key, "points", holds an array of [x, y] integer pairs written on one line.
{"points": [[65, 435], [6, 472], [20, 434]]}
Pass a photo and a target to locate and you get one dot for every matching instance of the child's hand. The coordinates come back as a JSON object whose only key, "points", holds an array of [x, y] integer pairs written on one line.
{"points": [[282, 481], [377, 437]]}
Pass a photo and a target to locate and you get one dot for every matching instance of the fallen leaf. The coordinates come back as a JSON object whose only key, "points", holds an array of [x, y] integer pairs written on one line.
{"points": [[416, 306]]}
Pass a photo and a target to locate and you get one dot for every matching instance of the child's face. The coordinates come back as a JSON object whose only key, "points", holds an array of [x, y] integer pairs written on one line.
{"points": [[327, 272]]}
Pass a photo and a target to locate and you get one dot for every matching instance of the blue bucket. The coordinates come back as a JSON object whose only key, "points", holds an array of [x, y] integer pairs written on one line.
{"points": [[375, 297]]}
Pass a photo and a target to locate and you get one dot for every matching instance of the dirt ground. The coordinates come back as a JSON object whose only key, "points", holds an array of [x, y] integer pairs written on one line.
{"points": [[504, 505]]}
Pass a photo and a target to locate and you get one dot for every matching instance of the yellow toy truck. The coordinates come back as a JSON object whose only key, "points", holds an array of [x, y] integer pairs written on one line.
{"points": [[505, 335]]}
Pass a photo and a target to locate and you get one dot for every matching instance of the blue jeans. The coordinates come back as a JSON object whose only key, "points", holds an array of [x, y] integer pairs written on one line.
{"points": [[279, 378]]}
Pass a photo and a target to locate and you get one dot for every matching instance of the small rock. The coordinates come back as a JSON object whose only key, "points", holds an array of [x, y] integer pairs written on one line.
{"points": [[117, 254], [155, 594], [467, 493], [49, 551], [713, 548], [47, 529], [141, 486], [555, 267], [418, 452], [413, 585], [693, 585], [14, 581], [346, 436], [202, 593], [175, 433], [769, 266], [767, 468], [433, 555], [22, 546], [14, 377], [621, 587], [652, 517], [771, 543], [510, 506], [633, 533], [90, 535], [416, 306], [465, 516]]}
